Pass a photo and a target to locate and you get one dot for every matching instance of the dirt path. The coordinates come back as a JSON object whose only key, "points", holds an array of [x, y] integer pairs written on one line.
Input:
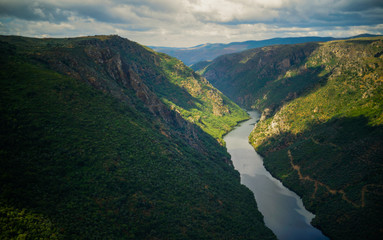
{"points": [[330, 190], [318, 143]]}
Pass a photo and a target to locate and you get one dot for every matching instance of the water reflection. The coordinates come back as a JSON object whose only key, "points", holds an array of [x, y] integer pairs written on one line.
{"points": [[282, 209]]}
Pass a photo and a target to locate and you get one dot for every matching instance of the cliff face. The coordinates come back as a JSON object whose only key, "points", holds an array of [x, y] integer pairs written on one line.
{"points": [[113, 63], [321, 129], [119, 67], [96, 143]]}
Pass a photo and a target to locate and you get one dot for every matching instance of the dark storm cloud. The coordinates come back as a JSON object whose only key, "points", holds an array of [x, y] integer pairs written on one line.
{"points": [[30, 10], [57, 12], [356, 6], [299, 13], [340, 13]]}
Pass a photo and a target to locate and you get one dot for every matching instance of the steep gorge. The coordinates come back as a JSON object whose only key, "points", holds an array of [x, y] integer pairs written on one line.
{"points": [[98, 141], [321, 131]]}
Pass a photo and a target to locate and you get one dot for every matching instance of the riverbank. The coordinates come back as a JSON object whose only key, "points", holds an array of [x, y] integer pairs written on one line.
{"points": [[282, 209]]}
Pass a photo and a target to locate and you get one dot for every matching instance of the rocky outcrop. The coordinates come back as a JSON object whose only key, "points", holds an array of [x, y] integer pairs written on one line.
{"points": [[108, 66], [91, 147]]}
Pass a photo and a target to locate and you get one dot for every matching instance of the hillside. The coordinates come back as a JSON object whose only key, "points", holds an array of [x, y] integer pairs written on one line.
{"points": [[171, 81], [93, 145], [266, 76], [321, 130]]}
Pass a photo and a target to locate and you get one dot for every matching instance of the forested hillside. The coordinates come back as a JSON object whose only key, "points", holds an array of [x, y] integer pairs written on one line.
{"points": [[94, 145], [321, 130], [265, 76]]}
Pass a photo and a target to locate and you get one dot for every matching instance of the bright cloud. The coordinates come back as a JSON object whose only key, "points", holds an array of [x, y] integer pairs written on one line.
{"points": [[191, 22]]}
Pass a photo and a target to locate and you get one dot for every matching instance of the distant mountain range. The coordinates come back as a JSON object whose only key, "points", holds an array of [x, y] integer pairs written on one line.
{"points": [[209, 51]]}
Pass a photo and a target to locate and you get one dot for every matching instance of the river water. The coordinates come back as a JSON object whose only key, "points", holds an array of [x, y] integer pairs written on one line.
{"points": [[282, 209]]}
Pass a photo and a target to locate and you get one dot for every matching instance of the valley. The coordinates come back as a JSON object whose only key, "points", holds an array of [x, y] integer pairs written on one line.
{"points": [[191, 120], [102, 137], [321, 127], [98, 141], [282, 209]]}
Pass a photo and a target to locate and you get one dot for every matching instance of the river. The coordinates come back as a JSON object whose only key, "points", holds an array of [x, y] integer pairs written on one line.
{"points": [[282, 209]]}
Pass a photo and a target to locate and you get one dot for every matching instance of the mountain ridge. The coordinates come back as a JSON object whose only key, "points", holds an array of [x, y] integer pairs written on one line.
{"points": [[209, 51], [90, 148]]}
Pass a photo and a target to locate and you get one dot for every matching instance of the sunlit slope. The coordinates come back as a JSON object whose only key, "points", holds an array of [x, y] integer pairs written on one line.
{"points": [[321, 128], [198, 102], [89, 150], [328, 144]]}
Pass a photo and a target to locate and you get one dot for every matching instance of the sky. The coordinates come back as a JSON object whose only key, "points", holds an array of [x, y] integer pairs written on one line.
{"points": [[186, 23]]}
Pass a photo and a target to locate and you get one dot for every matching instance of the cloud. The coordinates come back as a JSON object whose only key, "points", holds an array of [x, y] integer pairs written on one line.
{"points": [[332, 12], [190, 22]]}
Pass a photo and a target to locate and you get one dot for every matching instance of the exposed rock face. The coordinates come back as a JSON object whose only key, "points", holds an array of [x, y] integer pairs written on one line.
{"points": [[108, 66], [96, 143], [267, 112], [219, 109]]}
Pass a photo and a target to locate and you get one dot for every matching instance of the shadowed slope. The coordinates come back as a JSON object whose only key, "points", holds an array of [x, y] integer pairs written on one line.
{"points": [[89, 150]]}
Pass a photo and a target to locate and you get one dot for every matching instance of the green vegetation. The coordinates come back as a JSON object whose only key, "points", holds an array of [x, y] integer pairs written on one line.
{"points": [[321, 132], [97, 60], [88, 151], [23, 224], [202, 104], [266, 76], [200, 67], [333, 136]]}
